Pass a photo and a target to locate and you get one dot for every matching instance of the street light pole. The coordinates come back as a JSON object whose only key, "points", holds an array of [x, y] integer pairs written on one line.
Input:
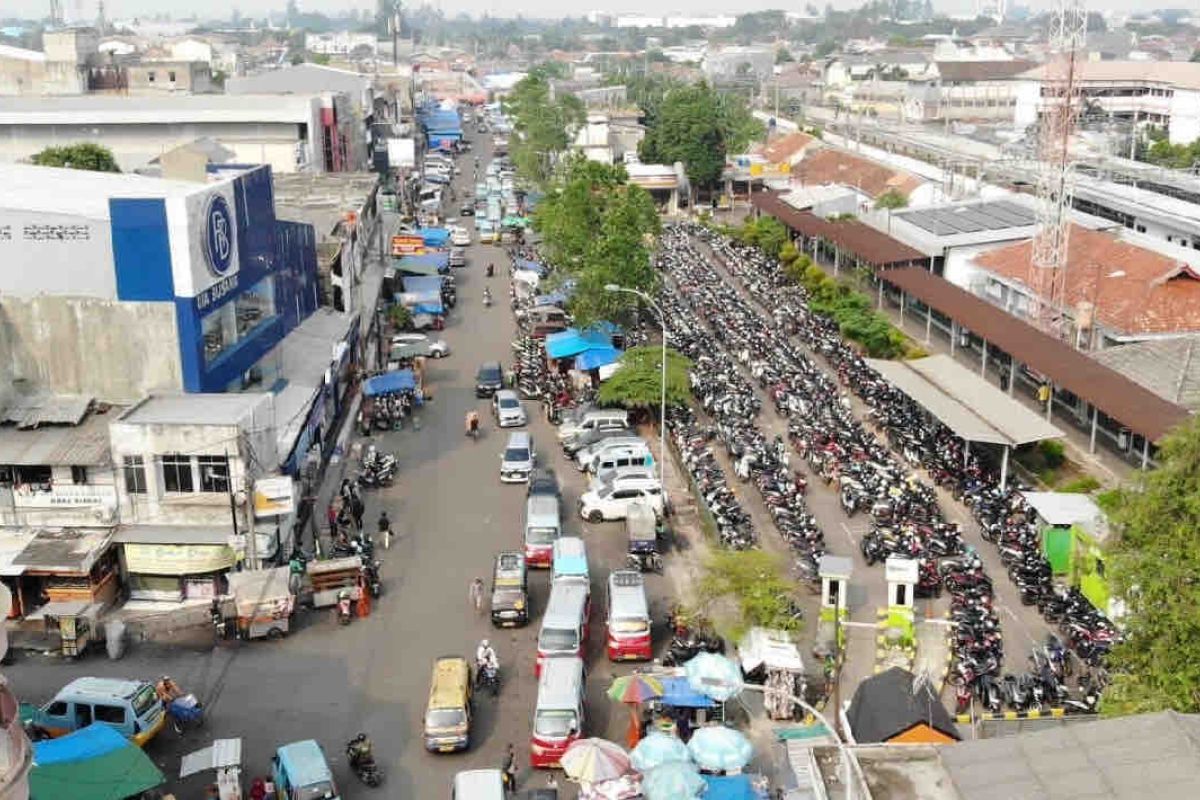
{"points": [[662, 408]]}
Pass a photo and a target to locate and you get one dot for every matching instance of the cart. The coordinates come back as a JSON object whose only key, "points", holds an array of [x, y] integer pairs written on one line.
{"points": [[264, 602], [641, 524], [329, 578], [76, 622]]}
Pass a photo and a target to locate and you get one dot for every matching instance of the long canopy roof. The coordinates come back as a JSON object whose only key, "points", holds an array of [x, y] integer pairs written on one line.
{"points": [[964, 402]]}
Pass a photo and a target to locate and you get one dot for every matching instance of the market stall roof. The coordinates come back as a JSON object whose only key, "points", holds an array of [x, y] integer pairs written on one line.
{"points": [[597, 358], [67, 551], [1064, 509], [93, 763], [12, 542], [964, 402], [679, 693], [532, 266], [400, 380], [434, 237], [572, 342], [251, 587], [413, 268], [218, 755], [437, 259], [729, 787], [773, 649], [423, 284]]}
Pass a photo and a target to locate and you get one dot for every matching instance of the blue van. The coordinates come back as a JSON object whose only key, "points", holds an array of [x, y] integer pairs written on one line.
{"points": [[301, 772], [131, 707]]}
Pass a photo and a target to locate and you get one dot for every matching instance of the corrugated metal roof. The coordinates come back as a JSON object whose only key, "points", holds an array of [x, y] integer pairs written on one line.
{"points": [[966, 403], [71, 551], [29, 412], [1135, 407], [85, 444], [863, 241], [1168, 367]]}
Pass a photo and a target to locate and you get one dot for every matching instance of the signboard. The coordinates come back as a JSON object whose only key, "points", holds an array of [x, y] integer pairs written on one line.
{"points": [[218, 235], [407, 244], [67, 496], [177, 559], [274, 497], [402, 153]]}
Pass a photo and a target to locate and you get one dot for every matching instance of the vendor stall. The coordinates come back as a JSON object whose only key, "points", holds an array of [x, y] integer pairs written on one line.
{"points": [[770, 657], [264, 602], [681, 709]]}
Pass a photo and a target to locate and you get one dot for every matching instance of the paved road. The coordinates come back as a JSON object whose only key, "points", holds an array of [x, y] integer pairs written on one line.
{"points": [[452, 514]]}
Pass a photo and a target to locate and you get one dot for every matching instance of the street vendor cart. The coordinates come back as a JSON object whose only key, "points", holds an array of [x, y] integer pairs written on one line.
{"points": [[329, 578], [264, 602], [75, 621]]}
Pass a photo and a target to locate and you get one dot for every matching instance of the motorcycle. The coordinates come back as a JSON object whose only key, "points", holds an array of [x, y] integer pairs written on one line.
{"points": [[489, 677], [362, 761], [344, 609], [487, 298]]}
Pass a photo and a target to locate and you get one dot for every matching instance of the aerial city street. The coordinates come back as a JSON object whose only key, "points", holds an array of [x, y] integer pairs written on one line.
{"points": [[408, 403]]}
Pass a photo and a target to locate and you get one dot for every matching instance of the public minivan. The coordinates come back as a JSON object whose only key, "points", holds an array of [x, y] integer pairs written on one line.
{"points": [[478, 784], [564, 625], [628, 617], [510, 590], [570, 561], [598, 419], [559, 716], [301, 772], [585, 457], [131, 707], [448, 715], [543, 527], [518, 458], [544, 320], [612, 458]]}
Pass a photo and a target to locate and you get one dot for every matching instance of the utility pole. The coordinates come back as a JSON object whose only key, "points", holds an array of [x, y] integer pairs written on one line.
{"points": [[248, 502]]}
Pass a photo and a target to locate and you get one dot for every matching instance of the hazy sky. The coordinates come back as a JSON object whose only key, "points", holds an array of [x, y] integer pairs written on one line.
{"points": [[116, 9]]}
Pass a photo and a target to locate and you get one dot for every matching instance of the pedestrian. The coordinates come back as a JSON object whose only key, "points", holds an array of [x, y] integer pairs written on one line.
{"points": [[510, 768], [358, 509], [475, 594], [331, 514]]}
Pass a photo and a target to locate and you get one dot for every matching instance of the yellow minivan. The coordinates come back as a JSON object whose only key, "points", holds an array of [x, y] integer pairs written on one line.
{"points": [[448, 715]]}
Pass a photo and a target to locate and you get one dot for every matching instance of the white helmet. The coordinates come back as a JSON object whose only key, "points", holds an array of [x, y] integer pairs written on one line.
{"points": [[484, 643]]}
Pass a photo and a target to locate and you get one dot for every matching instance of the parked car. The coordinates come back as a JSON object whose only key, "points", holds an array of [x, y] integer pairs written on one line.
{"points": [[608, 503], [438, 348], [507, 409], [518, 459], [467, 211], [460, 237], [489, 379], [543, 481], [586, 439], [642, 477]]}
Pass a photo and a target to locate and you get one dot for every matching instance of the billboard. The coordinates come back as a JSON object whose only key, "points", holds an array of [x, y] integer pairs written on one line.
{"points": [[408, 244], [274, 497], [402, 153]]}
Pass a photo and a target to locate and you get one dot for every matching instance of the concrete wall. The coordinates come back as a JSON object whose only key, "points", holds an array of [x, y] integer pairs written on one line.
{"points": [[115, 351], [153, 77], [135, 145], [1185, 117], [67, 504], [72, 255]]}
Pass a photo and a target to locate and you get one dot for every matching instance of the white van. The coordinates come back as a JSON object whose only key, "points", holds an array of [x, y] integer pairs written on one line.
{"points": [[564, 628], [478, 784], [641, 477], [620, 457], [601, 419], [585, 457]]}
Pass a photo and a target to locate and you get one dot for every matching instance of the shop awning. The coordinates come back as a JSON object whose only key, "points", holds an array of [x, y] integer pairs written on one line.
{"points": [[67, 551], [173, 534], [423, 285], [679, 693], [599, 357], [94, 763], [434, 237], [729, 787], [572, 342], [418, 269], [178, 559], [400, 380]]}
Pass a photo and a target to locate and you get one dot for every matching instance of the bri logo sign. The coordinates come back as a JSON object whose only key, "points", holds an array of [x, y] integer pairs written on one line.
{"points": [[218, 235]]}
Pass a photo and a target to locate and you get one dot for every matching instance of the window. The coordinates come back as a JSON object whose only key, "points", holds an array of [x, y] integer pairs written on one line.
{"points": [[114, 715], [177, 473], [33, 474], [171, 76], [57, 709], [134, 468], [214, 473], [78, 474], [254, 306], [150, 77]]}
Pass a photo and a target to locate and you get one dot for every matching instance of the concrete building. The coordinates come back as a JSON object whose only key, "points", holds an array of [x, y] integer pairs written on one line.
{"points": [[64, 66], [291, 133], [737, 63], [953, 234], [154, 77], [662, 181], [609, 137], [341, 43], [965, 90], [1140, 93], [99, 265]]}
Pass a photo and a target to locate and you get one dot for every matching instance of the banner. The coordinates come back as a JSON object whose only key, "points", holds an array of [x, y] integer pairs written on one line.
{"points": [[177, 559], [274, 497], [408, 244]]}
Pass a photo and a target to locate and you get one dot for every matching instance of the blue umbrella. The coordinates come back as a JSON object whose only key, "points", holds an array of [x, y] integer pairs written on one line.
{"points": [[714, 675], [655, 749], [674, 780], [720, 748]]}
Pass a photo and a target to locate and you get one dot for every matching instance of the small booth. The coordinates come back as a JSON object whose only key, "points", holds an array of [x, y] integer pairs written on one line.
{"points": [[67, 566], [264, 602], [1073, 533], [681, 709], [327, 579], [769, 657], [899, 618]]}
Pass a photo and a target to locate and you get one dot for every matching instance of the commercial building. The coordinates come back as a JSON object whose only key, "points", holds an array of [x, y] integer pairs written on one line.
{"points": [[965, 90], [119, 285], [340, 43], [290, 133], [1165, 94], [64, 66]]}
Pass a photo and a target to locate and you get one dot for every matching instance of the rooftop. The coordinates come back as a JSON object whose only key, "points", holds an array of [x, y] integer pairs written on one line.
{"points": [[894, 701], [20, 53], [1180, 74], [970, 71], [864, 242], [305, 355], [783, 148], [63, 551], [321, 199], [935, 229], [1135, 290], [830, 165], [79, 192], [97, 109], [1168, 367], [59, 442], [193, 409], [301, 79]]}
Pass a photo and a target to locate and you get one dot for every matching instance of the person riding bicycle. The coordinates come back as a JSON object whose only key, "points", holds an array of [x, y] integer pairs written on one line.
{"points": [[472, 423]]}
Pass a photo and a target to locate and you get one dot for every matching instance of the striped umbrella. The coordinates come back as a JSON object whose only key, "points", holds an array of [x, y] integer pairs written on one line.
{"points": [[635, 688], [656, 749], [594, 760], [674, 780], [720, 748]]}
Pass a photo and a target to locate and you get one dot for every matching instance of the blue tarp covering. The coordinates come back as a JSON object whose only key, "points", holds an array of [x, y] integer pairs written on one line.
{"points": [[439, 261], [532, 266], [729, 787], [84, 744], [423, 285], [429, 307], [605, 327], [677, 692], [434, 237], [594, 359], [572, 342], [400, 380], [550, 299]]}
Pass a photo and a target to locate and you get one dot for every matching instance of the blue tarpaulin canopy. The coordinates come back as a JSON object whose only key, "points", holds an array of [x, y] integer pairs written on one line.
{"points": [[550, 299], [572, 342], [595, 359], [677, 692], [532, 266], [429, 307], [434, 237], [91, 742], [729, 787], [423, 285], [422, 264], [400, 380]]}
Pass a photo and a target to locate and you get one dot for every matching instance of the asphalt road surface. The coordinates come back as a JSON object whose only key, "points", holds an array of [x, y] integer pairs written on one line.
{"points": [[452, 514]]}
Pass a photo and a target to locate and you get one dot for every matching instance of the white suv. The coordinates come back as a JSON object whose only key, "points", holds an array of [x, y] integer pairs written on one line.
{"points": [[607, 503], [641, 477]]}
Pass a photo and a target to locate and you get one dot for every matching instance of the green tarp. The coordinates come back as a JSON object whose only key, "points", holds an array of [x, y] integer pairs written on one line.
{"points": [[100, 774]]}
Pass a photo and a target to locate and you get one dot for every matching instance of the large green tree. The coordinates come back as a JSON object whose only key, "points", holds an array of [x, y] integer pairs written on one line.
{"points": [[699, 127], [638, 381], [84, 155], [1154, 567], [543, 126]]}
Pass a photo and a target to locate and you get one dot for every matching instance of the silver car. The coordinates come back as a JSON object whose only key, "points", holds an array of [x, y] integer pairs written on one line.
{"points": [[507, 409]]}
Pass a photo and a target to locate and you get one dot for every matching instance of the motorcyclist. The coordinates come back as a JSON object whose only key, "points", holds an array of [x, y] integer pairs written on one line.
{"points": [[359, 750], [385, 529], [485, 658], [472, 423], [487, 297], [491, 270]]}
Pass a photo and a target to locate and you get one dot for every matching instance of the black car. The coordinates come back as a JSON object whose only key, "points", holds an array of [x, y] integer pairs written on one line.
{"points": [[467, 211], [544, 481], [489, 379]]}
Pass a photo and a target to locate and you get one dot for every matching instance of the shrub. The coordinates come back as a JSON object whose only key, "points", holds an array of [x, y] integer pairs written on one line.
{"points": [[756, 582], [1080, 485], [1053, 452]]}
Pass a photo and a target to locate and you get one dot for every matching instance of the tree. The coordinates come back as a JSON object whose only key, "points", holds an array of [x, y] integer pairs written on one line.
{"points": [[543, 126], [783, 56], [638, 381], [1153, 566], [85, 155], [698, 127], [890, 200]]}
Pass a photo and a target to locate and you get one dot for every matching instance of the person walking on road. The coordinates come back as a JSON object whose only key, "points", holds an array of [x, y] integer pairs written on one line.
{"points": [[385, 530], [475, 595], [510, 768]]}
